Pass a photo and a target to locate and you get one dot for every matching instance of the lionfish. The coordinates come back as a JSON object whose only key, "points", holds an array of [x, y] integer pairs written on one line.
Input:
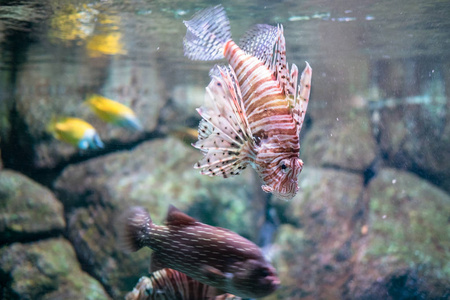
{"points": [[254, 108], [211, 255], [168, 284]]}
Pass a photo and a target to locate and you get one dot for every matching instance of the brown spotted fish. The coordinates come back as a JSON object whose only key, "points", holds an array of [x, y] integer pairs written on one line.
{"points": [[211, 255], [170, 284], [254, 108]]}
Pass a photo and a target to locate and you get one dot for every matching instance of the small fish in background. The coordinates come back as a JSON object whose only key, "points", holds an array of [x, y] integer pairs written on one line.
{"points": [[186, 134], [254, 109], [76, 132], [114, 112], [173, 285], [211, 255]]}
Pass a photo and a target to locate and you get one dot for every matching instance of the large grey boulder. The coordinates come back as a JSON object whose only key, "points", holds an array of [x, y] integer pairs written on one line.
{"points": [[27, 209], [312, 250], [406, 252], [388, 241], [344, 142]]}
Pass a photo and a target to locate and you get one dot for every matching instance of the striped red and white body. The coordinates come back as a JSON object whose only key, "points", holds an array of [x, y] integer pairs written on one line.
{"points": [[271, 122], [169, 284], [254, 108]]}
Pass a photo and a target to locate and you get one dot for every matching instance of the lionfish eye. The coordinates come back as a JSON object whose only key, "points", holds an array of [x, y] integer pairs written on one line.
{"points": [[285, 165]]}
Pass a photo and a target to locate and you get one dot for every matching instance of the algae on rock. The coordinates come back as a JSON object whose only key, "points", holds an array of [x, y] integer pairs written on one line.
{"points": [[47, 269], [27, 208]]}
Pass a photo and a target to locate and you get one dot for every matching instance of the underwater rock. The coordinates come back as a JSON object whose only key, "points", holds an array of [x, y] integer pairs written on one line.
{"points": [[27, 209], [346, 142], [391, 242], [6, 105], [180, 110], [45, 270], [153, 175], [416, 137], [406, 252], [313, 249]]}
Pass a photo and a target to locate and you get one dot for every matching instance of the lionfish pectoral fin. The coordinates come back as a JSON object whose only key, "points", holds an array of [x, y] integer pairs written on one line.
{"points": [[224, 134], [155, 263], [301, 104]]}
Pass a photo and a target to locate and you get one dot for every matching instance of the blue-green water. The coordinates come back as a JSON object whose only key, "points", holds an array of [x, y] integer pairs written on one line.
{"points": [[371, 218]]}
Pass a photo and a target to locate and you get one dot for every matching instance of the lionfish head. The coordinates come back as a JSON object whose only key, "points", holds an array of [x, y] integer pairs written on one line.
{"points": [[284, 184]]}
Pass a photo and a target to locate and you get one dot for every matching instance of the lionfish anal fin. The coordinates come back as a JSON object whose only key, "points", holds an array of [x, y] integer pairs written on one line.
{"points": [[224, 133], [302, 100]]}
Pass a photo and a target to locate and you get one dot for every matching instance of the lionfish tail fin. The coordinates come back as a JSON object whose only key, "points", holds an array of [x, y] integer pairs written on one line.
{"points": [[133, 230], [207, 33], [224, 133]]}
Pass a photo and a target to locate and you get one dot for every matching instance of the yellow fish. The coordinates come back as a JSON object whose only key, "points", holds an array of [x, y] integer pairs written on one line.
{"points": [[185, 134], [76, 132], [114, 112]]}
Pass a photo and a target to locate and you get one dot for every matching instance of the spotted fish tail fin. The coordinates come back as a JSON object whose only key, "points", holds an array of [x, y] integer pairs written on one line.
{"points": [[134, 224], [224, 133], [207, 33]]}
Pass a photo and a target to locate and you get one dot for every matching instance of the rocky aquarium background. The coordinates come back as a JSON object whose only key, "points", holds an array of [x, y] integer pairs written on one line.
{"points": [[371, 220]]}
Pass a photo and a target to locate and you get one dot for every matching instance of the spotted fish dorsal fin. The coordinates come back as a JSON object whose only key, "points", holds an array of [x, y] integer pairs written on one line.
{"points": [[224, 133], [176, 217]]}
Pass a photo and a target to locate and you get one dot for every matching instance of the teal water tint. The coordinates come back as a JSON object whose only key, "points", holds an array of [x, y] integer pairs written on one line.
{"points": [[371, 216]]}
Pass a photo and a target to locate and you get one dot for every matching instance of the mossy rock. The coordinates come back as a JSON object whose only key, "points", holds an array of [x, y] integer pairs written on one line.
{"points": [[27, 209], [415, 137], [313, 251], [48, 269], [346, 142], [407, 248]]}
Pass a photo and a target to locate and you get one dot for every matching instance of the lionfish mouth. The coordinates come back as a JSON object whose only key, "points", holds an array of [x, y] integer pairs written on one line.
{"points": [[287, 193], [284, 196]]}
